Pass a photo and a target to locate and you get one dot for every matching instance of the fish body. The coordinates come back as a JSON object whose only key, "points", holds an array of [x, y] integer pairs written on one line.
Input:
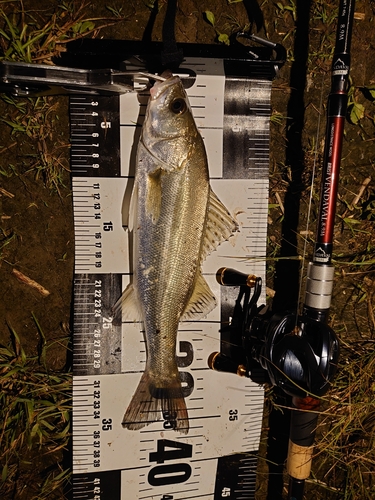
{"points": [[177, 220]]}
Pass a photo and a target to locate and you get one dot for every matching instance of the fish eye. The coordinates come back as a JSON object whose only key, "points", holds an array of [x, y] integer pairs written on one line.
{"points": [[178, 106]]}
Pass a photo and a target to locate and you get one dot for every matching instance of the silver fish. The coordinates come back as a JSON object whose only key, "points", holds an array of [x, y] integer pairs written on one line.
{"points": [[177, 221]]}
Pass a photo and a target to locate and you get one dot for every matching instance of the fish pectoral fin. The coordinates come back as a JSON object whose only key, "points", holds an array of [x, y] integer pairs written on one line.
{"points": [[202, 301], [128, 305], [219, 227], [153, 194]]}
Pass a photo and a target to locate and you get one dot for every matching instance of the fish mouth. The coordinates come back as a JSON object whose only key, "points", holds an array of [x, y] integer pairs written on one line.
{"points": [[164, 81], [166, 74]]}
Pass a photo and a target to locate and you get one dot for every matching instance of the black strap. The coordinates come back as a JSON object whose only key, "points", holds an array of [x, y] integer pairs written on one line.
{"points": [[171, 56]]}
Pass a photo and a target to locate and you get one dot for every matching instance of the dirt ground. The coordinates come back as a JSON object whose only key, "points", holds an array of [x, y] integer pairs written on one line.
{"points": [[36, 233]]}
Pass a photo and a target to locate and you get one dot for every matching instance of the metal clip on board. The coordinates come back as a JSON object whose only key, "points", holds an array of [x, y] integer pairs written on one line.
{"points": [[31, 80]]}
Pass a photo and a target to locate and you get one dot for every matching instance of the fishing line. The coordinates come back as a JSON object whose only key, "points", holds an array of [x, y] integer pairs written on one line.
{"points": [[310, 199], [211, 337]]}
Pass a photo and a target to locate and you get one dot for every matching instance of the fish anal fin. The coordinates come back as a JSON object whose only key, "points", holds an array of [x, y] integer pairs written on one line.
{"points": [[129, 305], [202, 301], [220, 225], [150, 403]]}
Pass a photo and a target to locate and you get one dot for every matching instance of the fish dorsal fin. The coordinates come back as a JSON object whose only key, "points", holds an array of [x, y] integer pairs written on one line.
{"points": [[219, 227], [201, 302], [129, 305]]}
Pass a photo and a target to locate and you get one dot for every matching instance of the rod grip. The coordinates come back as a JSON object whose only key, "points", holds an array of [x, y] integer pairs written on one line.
{"points": [[303, 423]]}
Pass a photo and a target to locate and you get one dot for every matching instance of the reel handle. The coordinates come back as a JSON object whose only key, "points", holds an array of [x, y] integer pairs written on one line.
{"points": [[226, 276], [222, 363]]}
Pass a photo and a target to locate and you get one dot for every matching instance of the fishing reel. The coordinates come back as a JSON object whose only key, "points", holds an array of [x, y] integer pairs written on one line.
{"points": [[299, 354]]}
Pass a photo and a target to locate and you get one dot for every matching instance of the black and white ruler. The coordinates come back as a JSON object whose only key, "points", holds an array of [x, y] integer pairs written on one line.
{"points": [[217, 459]]}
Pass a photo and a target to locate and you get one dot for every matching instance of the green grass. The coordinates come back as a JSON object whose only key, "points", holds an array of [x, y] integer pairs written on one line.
{"points": [[34, 121], [35, 405], [38, 36], [345, 448]]}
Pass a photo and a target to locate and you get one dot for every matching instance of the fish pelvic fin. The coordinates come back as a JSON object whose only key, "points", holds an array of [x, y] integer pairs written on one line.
{"points": [[202, 301], [128, 306], [150, 403], [220, 225]]}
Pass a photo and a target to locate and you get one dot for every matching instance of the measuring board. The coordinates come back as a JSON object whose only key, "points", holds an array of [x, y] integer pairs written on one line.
{"points": [[218, 457]]}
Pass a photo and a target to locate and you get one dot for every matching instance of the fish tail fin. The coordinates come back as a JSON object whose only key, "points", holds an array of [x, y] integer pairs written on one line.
{"points": [[150, 403]]}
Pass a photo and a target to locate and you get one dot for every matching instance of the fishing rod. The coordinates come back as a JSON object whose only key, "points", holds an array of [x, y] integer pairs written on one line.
{"points": [[298, 353], [320, 272]]}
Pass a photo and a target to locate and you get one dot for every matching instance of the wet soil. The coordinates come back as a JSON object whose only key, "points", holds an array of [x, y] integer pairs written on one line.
{"points": [[37, 220]]}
